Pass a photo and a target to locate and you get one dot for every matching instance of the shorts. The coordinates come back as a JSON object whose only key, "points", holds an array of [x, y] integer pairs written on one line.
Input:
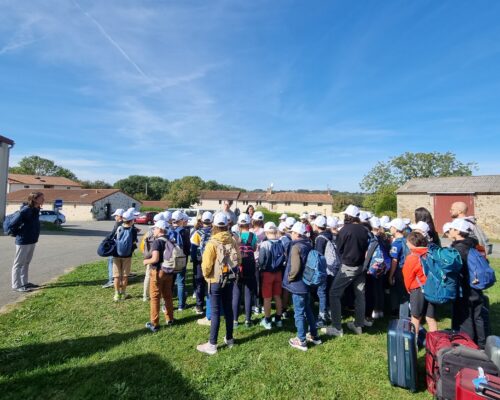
{"points": [[121, 266], [419, 306], [271, 284]]}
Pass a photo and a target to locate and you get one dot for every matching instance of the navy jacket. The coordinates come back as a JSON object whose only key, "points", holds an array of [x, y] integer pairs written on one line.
{"points": [[30, 231], [297, 286]]}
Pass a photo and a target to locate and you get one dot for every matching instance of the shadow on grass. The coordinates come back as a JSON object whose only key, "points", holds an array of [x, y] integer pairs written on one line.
{"points": [[68, 230], [145, 376]]}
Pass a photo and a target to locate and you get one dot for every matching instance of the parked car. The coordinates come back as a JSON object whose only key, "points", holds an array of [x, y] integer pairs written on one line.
{"points": [[146, 218], [53, 217]]}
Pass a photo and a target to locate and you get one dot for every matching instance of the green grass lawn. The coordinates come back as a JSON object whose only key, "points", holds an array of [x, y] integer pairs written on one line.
{"points": [[70, 341]]}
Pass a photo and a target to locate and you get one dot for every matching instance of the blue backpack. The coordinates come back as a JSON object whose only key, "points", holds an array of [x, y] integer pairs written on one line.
{"points": [[12, 224], [481, 275], [124, 242], [442, 268], [277, 255], [315, 269], [175, 234], [205, 237]]}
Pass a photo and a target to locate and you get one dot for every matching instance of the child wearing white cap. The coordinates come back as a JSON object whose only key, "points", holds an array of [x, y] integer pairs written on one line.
{"points": [[145, 246], [399, 251], [180, 234], [118, 221], [258, 230], [292, 281]]}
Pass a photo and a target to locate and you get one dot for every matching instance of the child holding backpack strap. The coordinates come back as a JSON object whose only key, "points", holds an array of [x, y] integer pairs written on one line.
{"points": [[414, 280], [271, 262], [398, 253]]}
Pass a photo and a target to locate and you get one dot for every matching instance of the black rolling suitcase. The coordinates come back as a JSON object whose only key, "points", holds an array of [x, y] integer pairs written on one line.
{"points": [[402, 354]]}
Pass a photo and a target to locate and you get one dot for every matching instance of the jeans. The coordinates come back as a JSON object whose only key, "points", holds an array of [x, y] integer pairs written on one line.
{"points": [[345, 277], [110, 269], [249, 292], [321, 291], [304, 314], [180, 280], [398, 293], [374, 294], [200, 286], [22, 260], [467, 316], [220, 298]]}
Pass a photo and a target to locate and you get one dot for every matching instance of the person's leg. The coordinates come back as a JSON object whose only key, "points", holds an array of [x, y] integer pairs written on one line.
{"points": [[249, 287], [126, 265], [215, 295], [369, 296], [146, 284], [379, 295], [226, 297], [154, 294], [277, 294], [116, 275], [199, 287], [359, 292], [299, 307], [169, 298], [257, 291], [430, 317], [180, 280], [110, 269], [208, 307], [310, 316], [17, 267], [322, 300], [416, 322], [340, 283], [477, 302], [267, 293], [236, 300]]}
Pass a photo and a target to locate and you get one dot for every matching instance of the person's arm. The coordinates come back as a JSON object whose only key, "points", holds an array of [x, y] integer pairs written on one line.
{"points": [[320, 244], [295, 264], [408, 272], [208, 259], [155, 257], [263, 260]]}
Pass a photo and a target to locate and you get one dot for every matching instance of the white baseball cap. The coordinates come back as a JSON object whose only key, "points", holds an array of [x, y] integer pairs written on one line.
{"points": [[270, 227], [159, 217], [332, 222], [375, 222], [133, 210], [370, 214], [235, 229], [460, 224], [177, 215], [363, 216], [129, 215], [258, 216], [313, 214], [384, 219], [244, 219], [299, 228], [421, 226], [446, 227], [407, 221], [161, 224], [207, 217], [304, 216], [283, 217], [320, 222], [119, 212], [220, 219], [282, 227], [398, 224], [289, 222], [352, 211], [167, 215]]}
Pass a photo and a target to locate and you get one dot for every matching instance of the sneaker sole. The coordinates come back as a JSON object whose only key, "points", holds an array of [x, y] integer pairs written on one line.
{"points": [[302, 348]]}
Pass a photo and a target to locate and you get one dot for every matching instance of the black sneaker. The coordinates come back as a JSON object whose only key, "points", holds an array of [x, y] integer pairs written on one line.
{"points": [[151, 327], [31, 285]]}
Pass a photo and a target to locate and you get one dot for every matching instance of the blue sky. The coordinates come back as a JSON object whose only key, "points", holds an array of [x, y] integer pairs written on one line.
{"points": [[301, 94]]}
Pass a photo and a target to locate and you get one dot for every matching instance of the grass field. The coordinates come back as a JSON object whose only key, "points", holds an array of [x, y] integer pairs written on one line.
{"points": [[70, 341]]}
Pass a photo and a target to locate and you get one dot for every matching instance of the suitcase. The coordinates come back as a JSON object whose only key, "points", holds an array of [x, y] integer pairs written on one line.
{"points": [[451, 360], [466, 390], [402, 354], [436, 341], [493, 349]]}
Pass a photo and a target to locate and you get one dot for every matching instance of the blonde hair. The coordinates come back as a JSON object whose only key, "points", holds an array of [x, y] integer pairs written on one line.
{"points": [[32, 198]]}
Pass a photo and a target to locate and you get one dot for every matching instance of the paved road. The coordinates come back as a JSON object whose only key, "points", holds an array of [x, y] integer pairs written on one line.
{"points": [[54, 254]]}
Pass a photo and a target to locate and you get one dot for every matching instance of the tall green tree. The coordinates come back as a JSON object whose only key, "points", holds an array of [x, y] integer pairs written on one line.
{"points": [[95, 185], [144, 187], [185, 191], [35, 165]]}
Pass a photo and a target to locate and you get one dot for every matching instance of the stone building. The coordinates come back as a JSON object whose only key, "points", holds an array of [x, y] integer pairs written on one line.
{"points": [[480, 193]]}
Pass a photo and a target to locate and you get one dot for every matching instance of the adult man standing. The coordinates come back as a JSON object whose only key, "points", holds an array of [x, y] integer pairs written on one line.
{"points": [[26, 239], [230, 215], [459, 210]]}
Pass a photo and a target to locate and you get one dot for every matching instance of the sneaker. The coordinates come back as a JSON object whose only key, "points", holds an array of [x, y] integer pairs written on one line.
{"points": [[314, 340], [368, 322], [145, 298], [204, 321], [169, 323], [320, 323], [377, 314], [151, 327], [117, 297], [248, 323], [265, 324], [198, 310], [235, 324], [22, 289], [297, 344], [194, 296], [180, 309], [356, 329], [207, 348], [279, 324], [229, 343], [31, 285], [163, 309], [332, 331], [108, 285], [284, 315], [257, 310]]}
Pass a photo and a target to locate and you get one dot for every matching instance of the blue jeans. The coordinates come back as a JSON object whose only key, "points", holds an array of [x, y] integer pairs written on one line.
{"points": [[208, 308], [304, 314], [110, 269], [180, 280], [200, 286], [221, 297], [249, 289], [321, 291]]}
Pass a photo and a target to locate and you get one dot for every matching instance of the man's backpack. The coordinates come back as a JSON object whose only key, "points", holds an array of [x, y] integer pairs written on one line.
{"points": [[226, 263], [174, 259], [177, 236], [278, 257], [481, 275], [146, 242], [442, 268], [12, 224], [315, 269], [204, 238], [124, 241]]}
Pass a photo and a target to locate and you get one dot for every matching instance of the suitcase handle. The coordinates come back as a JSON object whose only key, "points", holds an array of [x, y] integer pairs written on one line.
{"points": [[484, 388]]}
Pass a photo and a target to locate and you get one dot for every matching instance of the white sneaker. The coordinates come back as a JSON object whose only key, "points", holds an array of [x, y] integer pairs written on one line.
{"points": [[316, 341], [368, 322], [332, 331], [229, 343], [207, 348], [203, 321], [356, 329]]}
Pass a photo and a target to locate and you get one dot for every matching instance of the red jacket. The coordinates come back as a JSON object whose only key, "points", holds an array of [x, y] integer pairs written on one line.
{"points": [[412, 269]]}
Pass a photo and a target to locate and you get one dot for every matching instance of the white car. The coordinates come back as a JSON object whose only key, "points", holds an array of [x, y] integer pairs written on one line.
{"points": [[52, 216]]}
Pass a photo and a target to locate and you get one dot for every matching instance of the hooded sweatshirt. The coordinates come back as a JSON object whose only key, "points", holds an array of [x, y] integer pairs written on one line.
{"points": [[413, 271], [210, 254]]}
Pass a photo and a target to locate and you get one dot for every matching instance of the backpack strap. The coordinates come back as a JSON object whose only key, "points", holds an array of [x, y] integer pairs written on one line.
{"points": [[249, 239]]}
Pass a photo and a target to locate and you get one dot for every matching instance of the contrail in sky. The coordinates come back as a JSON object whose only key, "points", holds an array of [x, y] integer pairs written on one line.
{"points": [[112, 41]]}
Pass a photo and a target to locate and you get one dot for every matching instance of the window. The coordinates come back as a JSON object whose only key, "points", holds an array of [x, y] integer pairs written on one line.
{"points": [[68, 187], [259, 203], [305, 204], [48, 186], [287, 203], [245, 203], [220, 201], [26, 186], [320, 204]]}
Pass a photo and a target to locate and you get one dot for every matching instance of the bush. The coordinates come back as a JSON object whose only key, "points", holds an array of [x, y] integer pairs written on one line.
{"points": [[274, 216]]}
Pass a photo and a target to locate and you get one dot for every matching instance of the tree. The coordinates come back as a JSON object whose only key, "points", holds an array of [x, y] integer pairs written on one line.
{"points": [[342, 200], [144, 187], [185, 191], [35, 165], [95, 185], [401, 169]]}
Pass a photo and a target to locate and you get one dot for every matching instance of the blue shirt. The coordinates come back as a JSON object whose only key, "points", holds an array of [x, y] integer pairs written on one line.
{"points": [[399, 251]]}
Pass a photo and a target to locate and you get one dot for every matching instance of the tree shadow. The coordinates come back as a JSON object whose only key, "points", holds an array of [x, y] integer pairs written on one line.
{"points": [[143, 376], [68, 231]]}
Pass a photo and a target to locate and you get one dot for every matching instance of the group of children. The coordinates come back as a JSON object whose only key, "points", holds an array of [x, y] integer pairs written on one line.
{"points": [[261, 262]]}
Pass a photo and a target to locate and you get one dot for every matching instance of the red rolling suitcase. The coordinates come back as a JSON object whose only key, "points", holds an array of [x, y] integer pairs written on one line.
{"points": [[466, 390]]}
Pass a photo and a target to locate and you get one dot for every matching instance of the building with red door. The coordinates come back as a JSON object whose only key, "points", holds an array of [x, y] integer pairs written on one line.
{"points": [[480, 193]]}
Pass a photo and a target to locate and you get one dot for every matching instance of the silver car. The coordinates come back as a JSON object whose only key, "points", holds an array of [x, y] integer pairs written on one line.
{"points": [[52, 216]]}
